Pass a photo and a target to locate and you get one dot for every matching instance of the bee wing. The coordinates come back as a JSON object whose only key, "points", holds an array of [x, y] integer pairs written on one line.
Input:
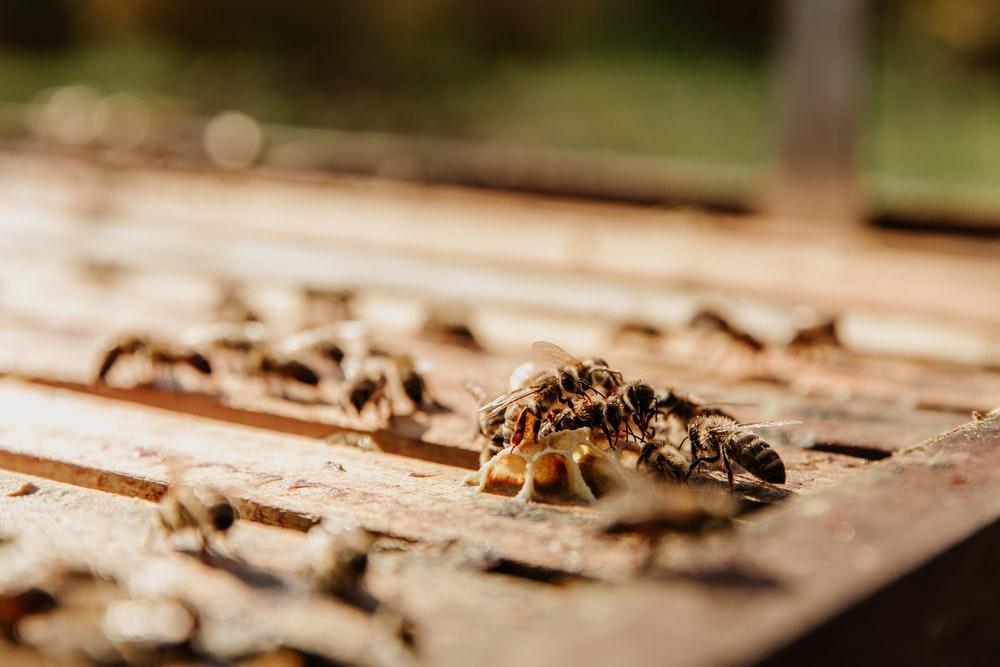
{"points": [[503, 400], [552, 352], [522, 375], [764, 424]]}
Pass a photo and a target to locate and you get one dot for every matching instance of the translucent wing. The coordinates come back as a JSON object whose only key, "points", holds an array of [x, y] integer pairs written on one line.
{"points": [[764, 424], [501, 402], [552, 352], [522, 376]]}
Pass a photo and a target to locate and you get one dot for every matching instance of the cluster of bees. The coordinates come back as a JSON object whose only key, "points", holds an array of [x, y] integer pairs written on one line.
{"points": [[611, 421], [820, 339], [79, 617], [305, 366]]}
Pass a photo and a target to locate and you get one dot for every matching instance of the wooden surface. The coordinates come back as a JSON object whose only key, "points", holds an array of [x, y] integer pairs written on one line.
{"points": [[875, 493]]}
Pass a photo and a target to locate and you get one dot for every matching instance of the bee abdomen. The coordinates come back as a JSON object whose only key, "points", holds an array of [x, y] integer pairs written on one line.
{"points": [[758, 458]]}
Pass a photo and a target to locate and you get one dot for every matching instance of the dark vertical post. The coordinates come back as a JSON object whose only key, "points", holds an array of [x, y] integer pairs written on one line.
{"points": [[819, 85]]}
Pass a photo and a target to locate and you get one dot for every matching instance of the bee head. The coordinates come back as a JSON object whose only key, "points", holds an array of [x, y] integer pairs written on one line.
{"points": [[569, 381], [223, 515], [200, 363], [333, 352], [413, 387]]}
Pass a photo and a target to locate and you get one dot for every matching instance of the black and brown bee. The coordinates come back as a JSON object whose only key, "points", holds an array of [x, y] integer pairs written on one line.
{"points": [[718, 437], [204, 511], [150, 360]]}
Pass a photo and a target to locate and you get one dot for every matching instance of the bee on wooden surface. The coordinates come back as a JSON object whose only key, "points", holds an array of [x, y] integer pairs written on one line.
{"points": [[322, 345], [449, 324], [231, 306], [990, 414], [685, 407], [338, 560], [715, 437], [712, 322], [282, 374], [408, 375], [160, 360], [664, 462], [125, 347], [540, 399], [489, 426], [368, 388], [202, 511], [322, 305], [637, 332]]}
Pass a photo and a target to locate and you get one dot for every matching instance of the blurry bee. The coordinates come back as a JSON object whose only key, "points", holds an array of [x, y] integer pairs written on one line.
{"points": [[322, 344], [663, 461], [231, 306], [638, 332], [820, 341], [712, 322], [280, 373], [685, 407], [489, 426], [448, 324], [338, 560], [125, 347], [715, 437], [321, 306], [368, 388], [203, 511], [410, 380], [161, 358], [982, 416]]}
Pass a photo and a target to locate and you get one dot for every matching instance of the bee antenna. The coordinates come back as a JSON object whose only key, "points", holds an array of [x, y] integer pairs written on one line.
{"points": [[592, 388]]}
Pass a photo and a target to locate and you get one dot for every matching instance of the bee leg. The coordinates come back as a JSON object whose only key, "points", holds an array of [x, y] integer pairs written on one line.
{"points": [[697, 461], [729, 468]]}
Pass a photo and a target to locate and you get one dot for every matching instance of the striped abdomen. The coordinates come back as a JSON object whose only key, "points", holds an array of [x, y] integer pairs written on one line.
{"points": [[756, 457]]}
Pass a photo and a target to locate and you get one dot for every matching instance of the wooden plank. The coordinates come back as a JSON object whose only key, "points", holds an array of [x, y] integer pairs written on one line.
{"points": [[808, 561], [58, 341], [289, 481], [257, 593], [62, 524], [308, 233]]}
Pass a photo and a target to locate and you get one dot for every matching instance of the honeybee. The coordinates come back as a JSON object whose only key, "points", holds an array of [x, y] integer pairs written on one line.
{"points": [[408, 376], [122, 348], [663, 461], [368, 388], [203, 511], [639, 402], [231, 344], [162, 358], [489, 426], [231, 306], [448, 323], [989, 414], [685, 407], [338, 560], [715, 437], [322, 344], [279, 373], [711, 321]]}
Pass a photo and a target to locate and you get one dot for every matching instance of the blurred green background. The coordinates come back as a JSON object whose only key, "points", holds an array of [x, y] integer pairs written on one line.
{"points": [[688, 81]]}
